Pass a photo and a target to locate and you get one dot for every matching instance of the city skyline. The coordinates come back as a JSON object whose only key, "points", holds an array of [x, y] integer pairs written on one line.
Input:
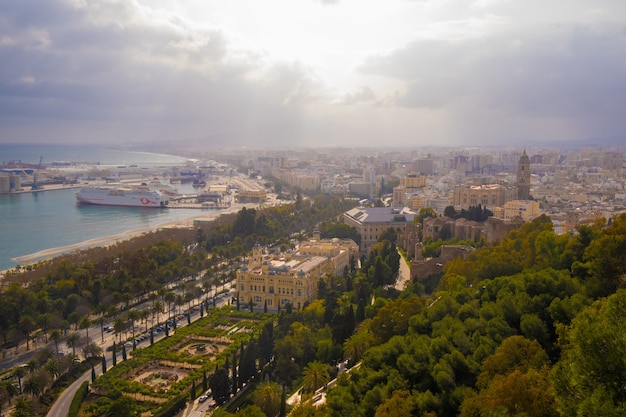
{"points": [[313, 73]]}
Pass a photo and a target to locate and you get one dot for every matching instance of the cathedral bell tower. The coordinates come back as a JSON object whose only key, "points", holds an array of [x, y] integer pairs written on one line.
{"points": [[523, 177]]}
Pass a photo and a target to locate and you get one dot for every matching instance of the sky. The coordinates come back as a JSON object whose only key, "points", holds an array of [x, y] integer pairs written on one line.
{"points": [[276, 73]]}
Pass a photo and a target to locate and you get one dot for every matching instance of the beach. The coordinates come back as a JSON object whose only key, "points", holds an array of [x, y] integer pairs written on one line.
{"points": [[109, 240], [42, 224]]}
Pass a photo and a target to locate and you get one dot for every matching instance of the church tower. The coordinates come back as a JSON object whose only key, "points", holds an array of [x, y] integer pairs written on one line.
{"points": [[523, 177]]}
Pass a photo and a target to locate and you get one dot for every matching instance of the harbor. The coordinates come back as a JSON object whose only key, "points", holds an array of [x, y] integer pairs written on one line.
{"points": [[40, 224]]}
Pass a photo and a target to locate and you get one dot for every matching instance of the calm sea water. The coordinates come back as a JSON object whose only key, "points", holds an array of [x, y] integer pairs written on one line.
{"points": [[32, 222]]}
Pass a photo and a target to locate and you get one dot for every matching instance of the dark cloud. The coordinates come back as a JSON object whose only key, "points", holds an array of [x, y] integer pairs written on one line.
{"points": [[574, 72], [120, 71], [105, 68]]}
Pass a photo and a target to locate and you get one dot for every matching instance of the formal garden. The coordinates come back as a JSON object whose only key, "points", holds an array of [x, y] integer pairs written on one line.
{"points": [[177, 365]]}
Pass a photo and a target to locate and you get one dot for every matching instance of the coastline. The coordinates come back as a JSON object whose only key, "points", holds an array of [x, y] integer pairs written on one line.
{"points": [[24, 260], [104, 241]]}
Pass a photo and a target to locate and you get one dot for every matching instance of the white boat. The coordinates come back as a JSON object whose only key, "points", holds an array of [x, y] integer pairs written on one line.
{"points": [[140, 196]]}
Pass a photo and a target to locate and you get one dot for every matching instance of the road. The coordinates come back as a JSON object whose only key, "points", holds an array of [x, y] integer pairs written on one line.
{"points": [[404, 275]]}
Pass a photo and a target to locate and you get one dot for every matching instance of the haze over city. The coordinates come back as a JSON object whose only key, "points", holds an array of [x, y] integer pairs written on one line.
{"points": [[313, 73]]}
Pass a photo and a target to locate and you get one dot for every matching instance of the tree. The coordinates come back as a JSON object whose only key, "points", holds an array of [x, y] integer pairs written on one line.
{"points": [[591, 372], [55, 335], [100, 321], [517, 393], [267, 397], [84, 323], [26, 325], [220, 385], [400, 404], [20, 372], [450, 212], [315, 375], [35, 384], [53, 367], [72, 341], [123, 406], [133, 316], [23, 408], [605, 258], [423, 213], [356, 345], [515, 352]]}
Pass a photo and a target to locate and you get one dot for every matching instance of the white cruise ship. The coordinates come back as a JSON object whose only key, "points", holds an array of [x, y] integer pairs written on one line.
{"points": [[140, 196]]}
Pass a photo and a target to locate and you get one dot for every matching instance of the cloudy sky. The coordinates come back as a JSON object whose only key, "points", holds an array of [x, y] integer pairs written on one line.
{"points": [[312, 72]]}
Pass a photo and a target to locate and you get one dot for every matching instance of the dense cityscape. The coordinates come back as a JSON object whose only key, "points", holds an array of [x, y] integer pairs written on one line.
{"points": [[442, 277], [322, 208]]}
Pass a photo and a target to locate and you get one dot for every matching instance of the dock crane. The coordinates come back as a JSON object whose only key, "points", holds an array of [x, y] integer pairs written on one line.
{"points": [[35, 185]]}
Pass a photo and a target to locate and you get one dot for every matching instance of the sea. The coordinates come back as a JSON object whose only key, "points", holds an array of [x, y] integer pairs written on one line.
{"points": [[37, 221]]}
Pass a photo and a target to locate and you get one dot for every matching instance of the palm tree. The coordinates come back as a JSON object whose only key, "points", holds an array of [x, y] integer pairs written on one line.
{"points": [[8, 390], [55, 334], [23, 407], [20, 373], [44, 320], [84, 323], [119, 325], [144, 314], [72, 341], [100, 320], [26, 325], [180, 301], [53, 367], [356, 345], [133, 316], [315, 375], [157, 308], [169, 297], [35, 384], [267, 397]]}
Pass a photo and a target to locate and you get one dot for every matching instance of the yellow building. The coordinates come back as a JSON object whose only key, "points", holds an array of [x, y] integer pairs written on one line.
{"points": [[413, 181], [526, 209], [292, 278]]}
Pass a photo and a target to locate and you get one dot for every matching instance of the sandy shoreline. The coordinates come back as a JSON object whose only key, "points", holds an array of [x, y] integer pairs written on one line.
{"points": [[50, 253], [111, 239]]}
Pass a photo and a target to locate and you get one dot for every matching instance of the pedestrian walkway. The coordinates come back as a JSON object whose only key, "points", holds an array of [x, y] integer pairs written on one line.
{"points": [[404, 274]]}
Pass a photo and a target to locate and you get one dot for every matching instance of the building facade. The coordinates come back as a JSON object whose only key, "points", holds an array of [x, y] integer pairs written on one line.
{"points": [[526, 209], [489, 195], [372, 222], [413, 181], [523, 177], [292, 277]]}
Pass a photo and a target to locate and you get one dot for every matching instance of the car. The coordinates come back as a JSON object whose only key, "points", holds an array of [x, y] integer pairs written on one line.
{"points": [[203, 398]]}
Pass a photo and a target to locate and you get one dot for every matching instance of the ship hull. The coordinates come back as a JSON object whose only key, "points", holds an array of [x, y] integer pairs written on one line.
{"points": [[122, 198]]}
